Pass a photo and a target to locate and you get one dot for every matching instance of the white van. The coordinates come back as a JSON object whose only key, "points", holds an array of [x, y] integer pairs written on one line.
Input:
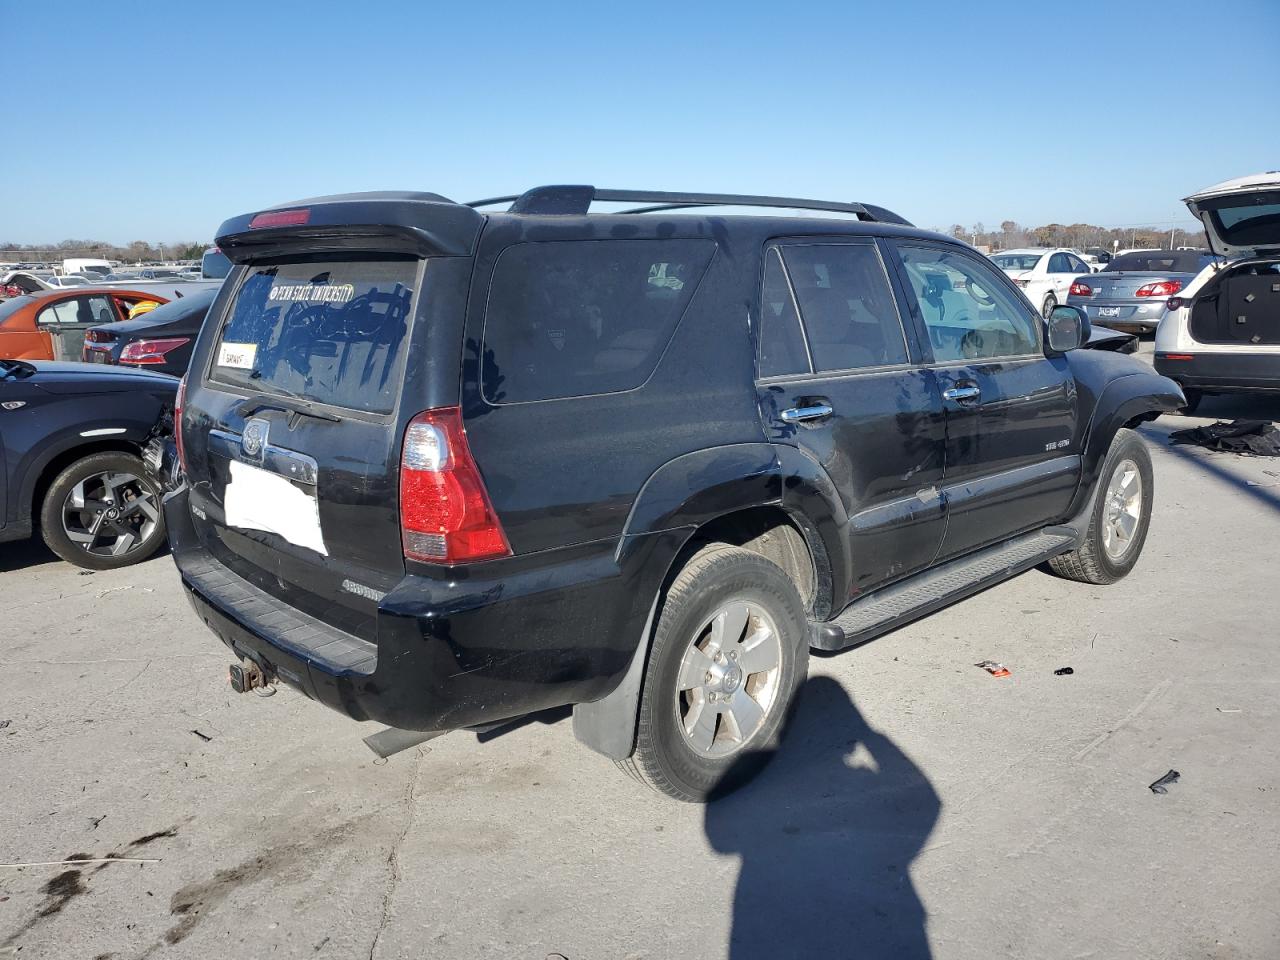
{"points": [[87, 266], [1221, 333]]}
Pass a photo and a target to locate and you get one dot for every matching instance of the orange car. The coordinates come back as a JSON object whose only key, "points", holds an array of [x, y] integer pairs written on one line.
{"points": [[50, 324]]}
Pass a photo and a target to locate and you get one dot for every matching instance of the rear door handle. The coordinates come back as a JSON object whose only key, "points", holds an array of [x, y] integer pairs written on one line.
{"points": [[962, 393], [814, 411]]}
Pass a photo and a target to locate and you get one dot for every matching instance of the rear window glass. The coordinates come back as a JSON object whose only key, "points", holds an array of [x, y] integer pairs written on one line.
{"points": [[214, 265], [1164, 261], [576, 318], [1252, 223], [332, 331]]}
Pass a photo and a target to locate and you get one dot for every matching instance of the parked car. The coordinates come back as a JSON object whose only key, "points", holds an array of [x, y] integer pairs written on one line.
{"points": [[159, 340], [17, 282], [1221, 333], [447, 467], [1132, 292], [1045, 275], [73, 439], [51, 324], [69, 280]]}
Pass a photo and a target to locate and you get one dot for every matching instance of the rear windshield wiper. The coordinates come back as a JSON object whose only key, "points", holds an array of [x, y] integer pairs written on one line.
{"points": [[302, 408]]}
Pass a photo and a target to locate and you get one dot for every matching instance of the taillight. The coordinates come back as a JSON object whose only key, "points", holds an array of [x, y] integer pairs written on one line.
{"points": [[280, 218], [1175, 303], [1161, 288], [1079, 289], [178, 401], [445, 513], [1022, 283], [98, 336], [150, 351]]}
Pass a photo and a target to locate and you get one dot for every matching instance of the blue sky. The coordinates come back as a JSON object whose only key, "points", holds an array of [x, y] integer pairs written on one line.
{"points": [[164, 119]]}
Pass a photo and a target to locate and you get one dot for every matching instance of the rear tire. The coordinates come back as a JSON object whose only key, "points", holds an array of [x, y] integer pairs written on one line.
{"points": [[101, 504], [708, 721], [1120, 517], [1049, 303]]}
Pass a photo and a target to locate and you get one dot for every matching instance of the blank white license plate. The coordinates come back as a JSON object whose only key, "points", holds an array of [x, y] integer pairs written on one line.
{"points": [[258, 499]]}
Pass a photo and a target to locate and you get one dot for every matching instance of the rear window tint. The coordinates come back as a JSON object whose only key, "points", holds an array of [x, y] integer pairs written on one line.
{"points": [[782, 349], [329, 331], [576, 318], [1167, 261]]}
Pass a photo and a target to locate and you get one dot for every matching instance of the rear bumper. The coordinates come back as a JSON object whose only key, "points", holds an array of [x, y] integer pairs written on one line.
{"points": [[1122, 315], [1223, 372], [448, 654]]}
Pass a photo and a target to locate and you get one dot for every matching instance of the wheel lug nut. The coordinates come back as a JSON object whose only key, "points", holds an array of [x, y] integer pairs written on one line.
{"points": [[734, 655]]}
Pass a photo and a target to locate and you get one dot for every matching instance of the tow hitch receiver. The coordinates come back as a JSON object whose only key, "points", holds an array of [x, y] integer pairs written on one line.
{"points": [[247, 676]]}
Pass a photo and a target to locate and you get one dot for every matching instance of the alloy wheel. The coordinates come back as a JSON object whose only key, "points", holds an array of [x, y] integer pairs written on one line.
{"points": [[110, 514]]}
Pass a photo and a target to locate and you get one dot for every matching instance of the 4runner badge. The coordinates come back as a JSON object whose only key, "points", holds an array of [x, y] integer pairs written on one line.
{"points": [[557, 338], [254, 439], [1057, 444]]}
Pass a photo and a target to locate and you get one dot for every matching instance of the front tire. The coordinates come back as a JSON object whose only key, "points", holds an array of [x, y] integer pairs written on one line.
{"points": [[1120, 517], [103, 512], [729, 652]]}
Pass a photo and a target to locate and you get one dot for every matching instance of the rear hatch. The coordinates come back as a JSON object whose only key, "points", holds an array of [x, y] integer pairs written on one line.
{"points": [[294, 464], [1241, 217]]}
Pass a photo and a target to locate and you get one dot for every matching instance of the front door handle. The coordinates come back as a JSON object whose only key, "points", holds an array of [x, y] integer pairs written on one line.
{"points": [[962, 394], [813, 411]]}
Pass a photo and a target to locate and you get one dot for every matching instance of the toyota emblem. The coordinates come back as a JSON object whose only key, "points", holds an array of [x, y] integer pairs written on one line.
{"points": [[254, 440]]}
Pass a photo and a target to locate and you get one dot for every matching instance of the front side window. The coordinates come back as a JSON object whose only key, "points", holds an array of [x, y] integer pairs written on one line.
{"points": [[968, 311], [578, 318], [329, 331], [782, 349], [847, 306], [87, 310]]}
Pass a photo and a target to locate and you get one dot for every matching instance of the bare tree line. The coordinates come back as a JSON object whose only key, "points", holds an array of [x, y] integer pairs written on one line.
{"points": [[1078, 235], [134, 252]]}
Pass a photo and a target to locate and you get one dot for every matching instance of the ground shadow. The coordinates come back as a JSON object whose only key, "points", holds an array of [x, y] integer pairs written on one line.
{"points": [[826, 835], [32, 552]]}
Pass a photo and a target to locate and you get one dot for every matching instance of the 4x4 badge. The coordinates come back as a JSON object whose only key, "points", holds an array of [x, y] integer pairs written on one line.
{"points": [[254, 439]]}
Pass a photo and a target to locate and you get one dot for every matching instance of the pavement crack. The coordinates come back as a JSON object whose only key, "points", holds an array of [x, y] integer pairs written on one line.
{"points": [[393, 857]]}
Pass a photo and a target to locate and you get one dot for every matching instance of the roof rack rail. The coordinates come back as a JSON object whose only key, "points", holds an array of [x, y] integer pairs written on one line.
{"points": [[570, 200]]}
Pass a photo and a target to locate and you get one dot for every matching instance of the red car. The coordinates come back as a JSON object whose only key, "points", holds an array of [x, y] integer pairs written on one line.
{"points": [[50, 324]]}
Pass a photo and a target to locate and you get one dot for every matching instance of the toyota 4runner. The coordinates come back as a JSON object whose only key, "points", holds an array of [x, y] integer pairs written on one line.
{"points": [[446, 467]]}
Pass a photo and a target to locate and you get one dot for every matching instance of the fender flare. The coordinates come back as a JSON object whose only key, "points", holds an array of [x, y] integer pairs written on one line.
{"points": [[681, 496], [1122, 400], [66, 440]]}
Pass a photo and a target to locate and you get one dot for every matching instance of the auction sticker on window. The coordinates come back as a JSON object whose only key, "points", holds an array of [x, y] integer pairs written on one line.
{"points": [[239, 356]]}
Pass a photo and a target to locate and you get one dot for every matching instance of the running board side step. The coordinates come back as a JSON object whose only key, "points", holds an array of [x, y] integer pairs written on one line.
{"points": [[892, 607]]}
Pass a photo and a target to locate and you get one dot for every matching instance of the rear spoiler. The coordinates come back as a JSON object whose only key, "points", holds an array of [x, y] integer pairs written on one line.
{"points": [[421, 224]]}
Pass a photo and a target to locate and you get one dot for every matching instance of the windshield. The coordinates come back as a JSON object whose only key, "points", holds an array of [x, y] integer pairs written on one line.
{"points": [[9, 307], [215, 265], [328, 331], [95, 268], [1016, 261]]}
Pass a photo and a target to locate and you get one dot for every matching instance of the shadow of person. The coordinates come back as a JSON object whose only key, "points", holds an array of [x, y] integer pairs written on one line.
{"points": [[826, 834]]}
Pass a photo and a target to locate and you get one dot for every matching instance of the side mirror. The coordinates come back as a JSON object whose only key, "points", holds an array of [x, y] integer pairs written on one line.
{"points": [[1068, 329]]}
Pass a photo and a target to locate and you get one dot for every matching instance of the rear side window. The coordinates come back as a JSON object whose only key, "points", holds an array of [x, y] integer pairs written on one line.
{"points": [[329, 331], [782, 349], [847, 306], [79, 310], [576, 318]]}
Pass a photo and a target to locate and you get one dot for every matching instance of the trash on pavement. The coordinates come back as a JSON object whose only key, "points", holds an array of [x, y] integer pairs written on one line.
{"points": [[1063, 672], [993, 668], [1162, 785], [1257, 437]]}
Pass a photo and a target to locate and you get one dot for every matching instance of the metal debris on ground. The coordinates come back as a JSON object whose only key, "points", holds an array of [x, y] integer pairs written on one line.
{"points": [[203, 736], [1256, 437], [1063, 672], [993, 668], [1162, 785]]}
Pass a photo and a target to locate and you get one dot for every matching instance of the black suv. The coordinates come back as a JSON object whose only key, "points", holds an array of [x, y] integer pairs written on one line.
{"points": [[447, 467]]}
